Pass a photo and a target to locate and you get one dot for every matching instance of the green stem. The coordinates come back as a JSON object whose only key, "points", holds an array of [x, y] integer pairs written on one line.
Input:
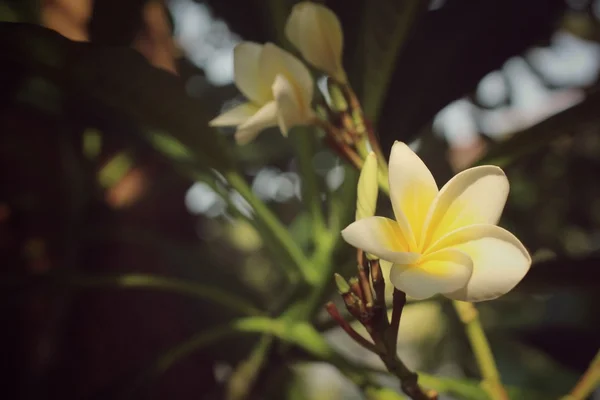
{"points": [[277, 230], [305, 145], [242, 380], [481, 348], [589, 381], [313, 343]]}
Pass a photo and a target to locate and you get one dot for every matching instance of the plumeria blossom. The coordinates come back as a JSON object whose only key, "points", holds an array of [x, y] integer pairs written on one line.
{"points": [[317, 33], [444, 241], [279, 89]]}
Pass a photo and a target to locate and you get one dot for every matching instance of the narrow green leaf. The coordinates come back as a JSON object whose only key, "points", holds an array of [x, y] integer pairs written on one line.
{"points": [[212, 294]]}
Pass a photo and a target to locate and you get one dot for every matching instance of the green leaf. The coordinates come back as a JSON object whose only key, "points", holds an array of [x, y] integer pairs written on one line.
{"points": [[527, 141], [118, 79], [386, 26], [141, 281]]}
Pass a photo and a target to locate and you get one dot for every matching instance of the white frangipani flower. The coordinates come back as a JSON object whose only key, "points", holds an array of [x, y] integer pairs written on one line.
{"points": [[444, 241], [316, 31], [279, 89]]}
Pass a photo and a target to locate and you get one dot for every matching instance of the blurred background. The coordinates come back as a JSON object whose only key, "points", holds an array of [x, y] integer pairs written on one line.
{"points": [[92, 189]]}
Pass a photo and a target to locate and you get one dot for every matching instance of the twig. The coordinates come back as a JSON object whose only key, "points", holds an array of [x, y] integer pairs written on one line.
{"points": [[378, 283], [335, 314], [398, 305]]}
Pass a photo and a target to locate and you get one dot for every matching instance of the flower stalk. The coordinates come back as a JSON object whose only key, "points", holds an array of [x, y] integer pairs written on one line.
{"points": [[371, 312], [491, 382]]}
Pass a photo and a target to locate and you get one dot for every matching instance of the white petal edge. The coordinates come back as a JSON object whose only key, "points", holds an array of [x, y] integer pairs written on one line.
{"points": [[264, 118], [381, 237], [412, 191], [500, 261], [290, 112], [235, 116], [246, 57], [441, 272], [474, 196], [316, 31], [276, 61]]}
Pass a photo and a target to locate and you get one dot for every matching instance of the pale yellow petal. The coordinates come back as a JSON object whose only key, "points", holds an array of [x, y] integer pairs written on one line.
{"points": [[367, 188], [500, 260], [412, 191], [444, 271], [474, 196], [246, 58], [290, 112], [316, 31], [235, 116], [381, 237], [276, 61], [264, 118]]}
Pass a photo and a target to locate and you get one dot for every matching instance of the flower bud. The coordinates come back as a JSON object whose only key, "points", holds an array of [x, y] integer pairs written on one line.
{"points": [[316, 31], [367, 188]]}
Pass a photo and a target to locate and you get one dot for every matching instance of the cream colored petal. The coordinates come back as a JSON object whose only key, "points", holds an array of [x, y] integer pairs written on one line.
{"points": [[474, 196], [381, 237], [441, 272], [246, 58], [500, 260], [290, 112], [264, 118], [276, 61], [316, 31], [412, 191], [235, 116], [367, 188]]}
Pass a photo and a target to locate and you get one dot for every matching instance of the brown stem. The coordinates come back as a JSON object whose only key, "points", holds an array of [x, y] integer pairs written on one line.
{"points": [[365, 286], [398, 302], [378, 283], [335, 314], [353, 304], [409, 380], [344, 151]]}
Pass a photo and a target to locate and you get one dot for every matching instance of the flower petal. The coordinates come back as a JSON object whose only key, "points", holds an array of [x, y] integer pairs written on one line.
{"points": [[275, 61], [264, 118], [441, 272], [290, 112], [246, 58], [500, 260], [412, 190], [474, 196], [381, 237], [316, 31], [235, 116]]}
